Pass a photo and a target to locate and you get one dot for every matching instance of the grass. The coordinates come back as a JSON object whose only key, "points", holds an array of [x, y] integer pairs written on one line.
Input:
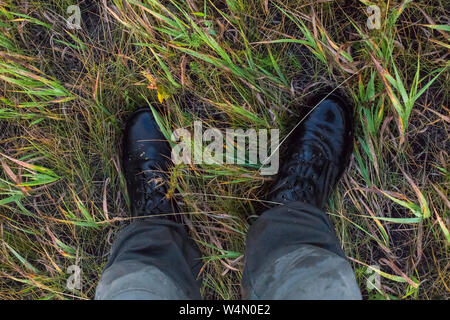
{"points": [[65, 94]]}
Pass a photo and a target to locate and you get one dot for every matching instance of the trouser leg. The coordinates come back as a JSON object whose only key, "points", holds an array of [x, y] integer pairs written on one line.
{"points": [[151, 259], [293, 253]]}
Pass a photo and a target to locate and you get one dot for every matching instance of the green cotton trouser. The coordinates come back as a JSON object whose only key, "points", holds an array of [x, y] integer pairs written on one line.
{"points": [[291, 253]]}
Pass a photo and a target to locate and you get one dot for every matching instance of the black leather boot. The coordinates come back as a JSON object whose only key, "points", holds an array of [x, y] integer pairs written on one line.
{"points": [[146, 159], [320, 148]]}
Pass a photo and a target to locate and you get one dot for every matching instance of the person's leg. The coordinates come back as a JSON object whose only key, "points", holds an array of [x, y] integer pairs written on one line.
{"points": [[152, 258], [292, 253], [292, 250]]}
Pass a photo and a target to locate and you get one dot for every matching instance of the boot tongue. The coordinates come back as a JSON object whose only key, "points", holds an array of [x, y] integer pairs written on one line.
{"points": [[309, 175], [152, 193]]}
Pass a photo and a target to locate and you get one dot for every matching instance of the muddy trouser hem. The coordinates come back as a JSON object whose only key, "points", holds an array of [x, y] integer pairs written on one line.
{"points": [[292, 252], [151, 259]]}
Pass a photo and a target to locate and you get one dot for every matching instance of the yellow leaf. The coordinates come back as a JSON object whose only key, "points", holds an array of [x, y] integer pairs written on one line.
{"points": [[162, 94], [152, 82]]}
